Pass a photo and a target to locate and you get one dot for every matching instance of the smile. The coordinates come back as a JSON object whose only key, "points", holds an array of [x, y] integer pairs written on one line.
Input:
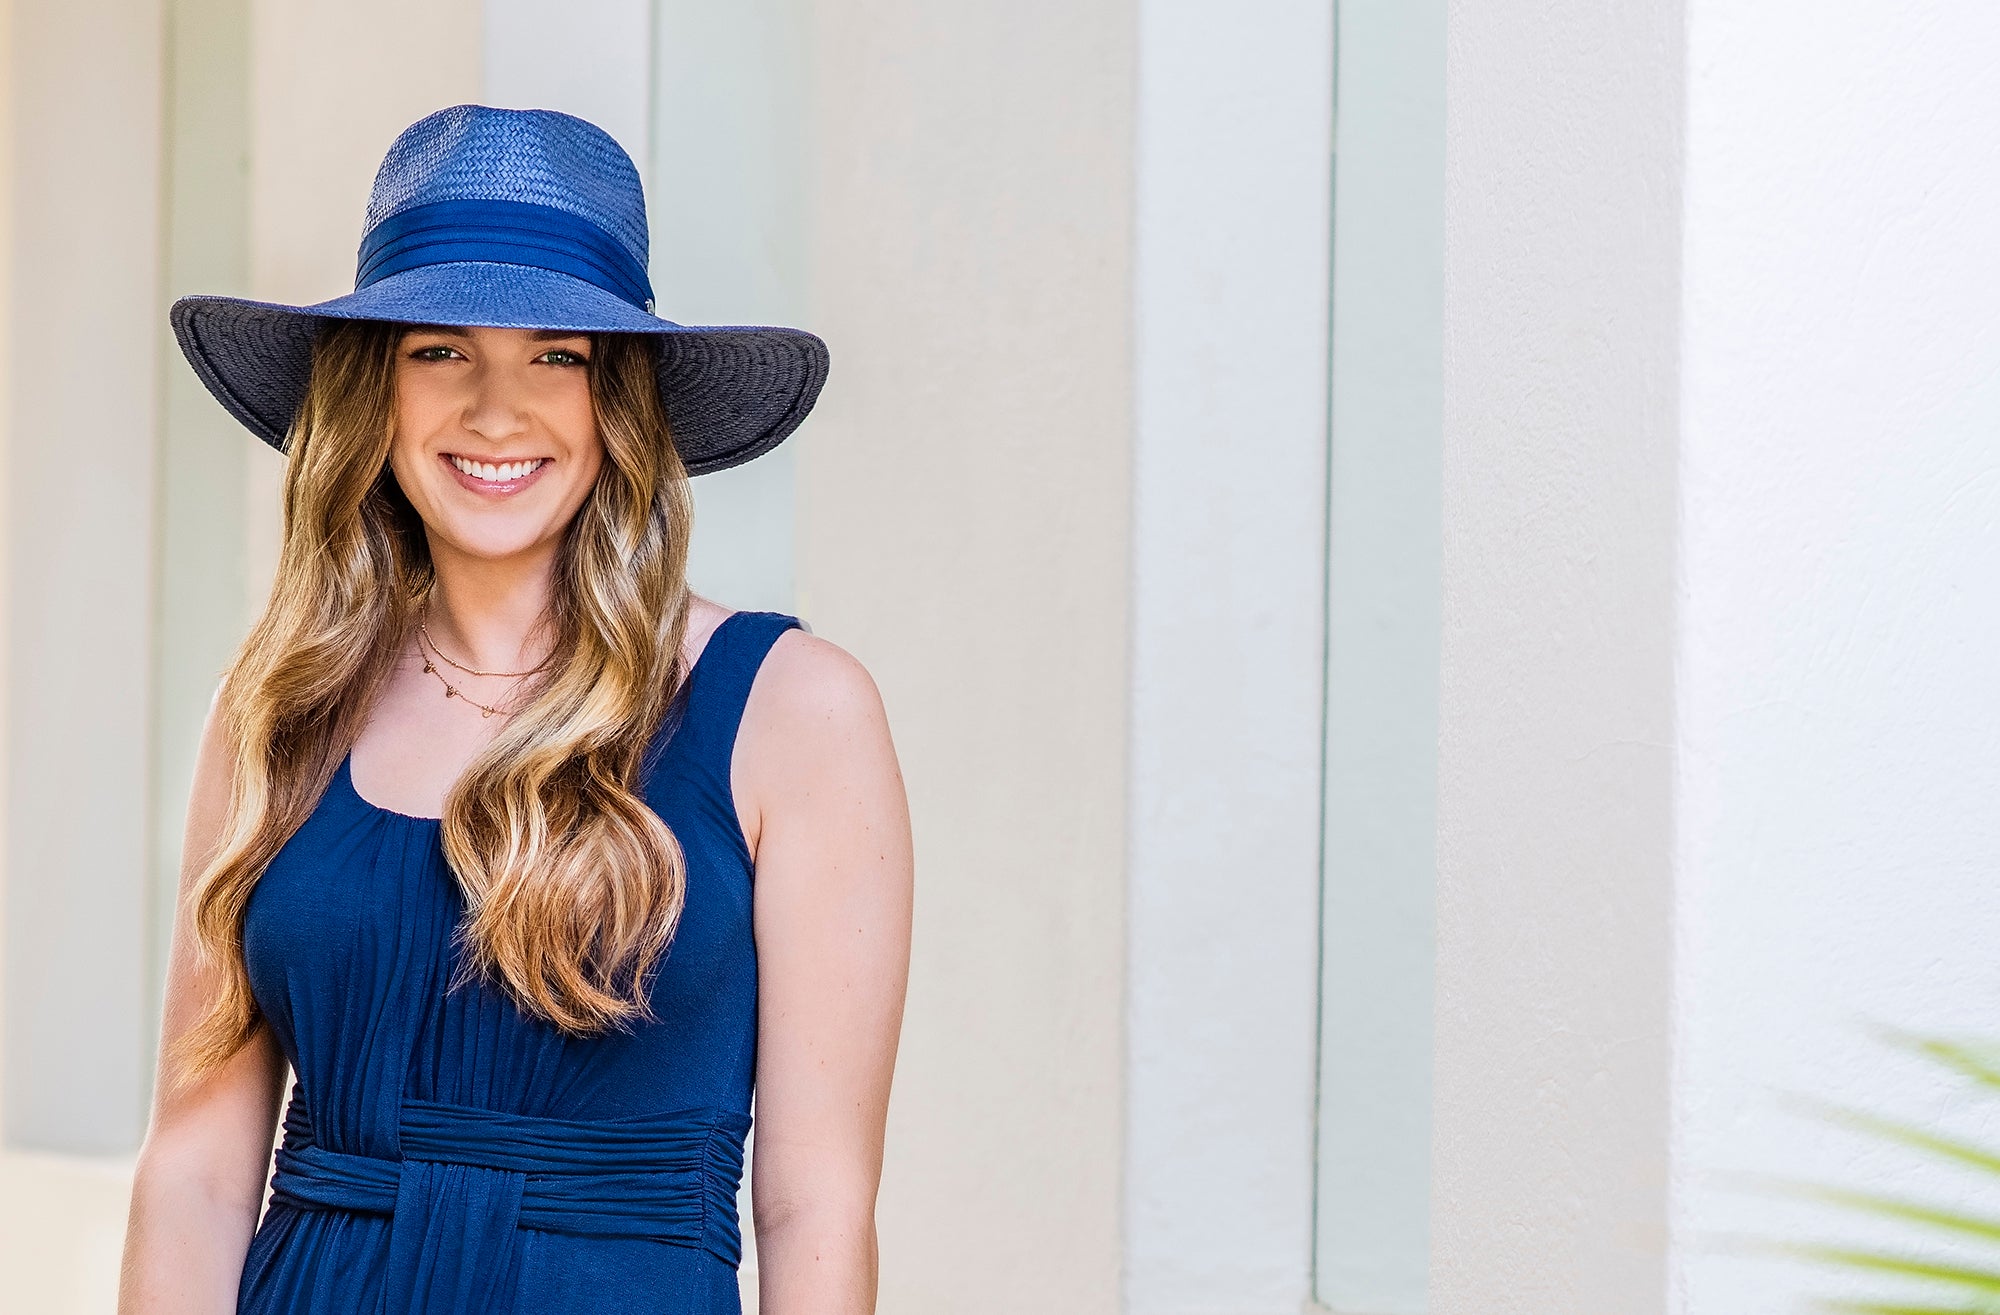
{"points": [[495, 477]]}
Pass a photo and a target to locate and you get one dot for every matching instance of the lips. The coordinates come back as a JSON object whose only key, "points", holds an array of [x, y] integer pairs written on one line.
{"points": [[494, 477]]}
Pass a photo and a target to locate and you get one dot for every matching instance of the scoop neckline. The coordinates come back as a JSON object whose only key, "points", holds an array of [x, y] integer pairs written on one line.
{"points": [[344, 774]]}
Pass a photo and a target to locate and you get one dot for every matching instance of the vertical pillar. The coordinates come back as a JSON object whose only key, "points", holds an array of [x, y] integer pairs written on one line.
{"points": [[200, 605], [728, 193], [963, 527], [80, 429], [1234, 141], [593, 60], [1557, 709], [1374, 1133]]}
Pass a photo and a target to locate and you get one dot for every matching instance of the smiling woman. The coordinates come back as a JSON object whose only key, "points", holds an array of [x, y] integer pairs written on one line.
{"points": [[482, 760]]}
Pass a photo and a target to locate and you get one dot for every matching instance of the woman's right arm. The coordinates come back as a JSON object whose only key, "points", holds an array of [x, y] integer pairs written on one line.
{"points": [[200, 1176]]}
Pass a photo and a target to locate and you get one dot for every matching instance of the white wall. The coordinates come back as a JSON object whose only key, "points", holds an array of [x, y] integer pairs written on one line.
{"points": [[1839, 843], [964, 528], [1722, 386], [85, 314], [597, 63], [1228, 594], [1556, 744]]}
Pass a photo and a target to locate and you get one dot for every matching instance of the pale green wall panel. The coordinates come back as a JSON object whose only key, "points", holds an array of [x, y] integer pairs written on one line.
{"points": [[1383, 599], [199, 563], [727, 194]]}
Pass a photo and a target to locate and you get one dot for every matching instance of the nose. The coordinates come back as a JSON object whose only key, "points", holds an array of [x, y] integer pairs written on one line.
{"points": [[493, 408]]}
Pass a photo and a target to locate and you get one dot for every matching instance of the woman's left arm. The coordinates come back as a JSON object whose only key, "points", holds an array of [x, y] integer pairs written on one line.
{"points": [[833, 902]]}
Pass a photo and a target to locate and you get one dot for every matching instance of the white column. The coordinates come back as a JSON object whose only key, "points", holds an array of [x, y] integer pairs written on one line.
{"points": [[1556, 762], [963, 528], [85, 316], [199, 547], [1229, 494]]}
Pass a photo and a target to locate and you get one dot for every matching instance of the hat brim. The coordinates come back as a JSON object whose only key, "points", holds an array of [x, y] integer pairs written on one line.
{"points": [[730, 393]]}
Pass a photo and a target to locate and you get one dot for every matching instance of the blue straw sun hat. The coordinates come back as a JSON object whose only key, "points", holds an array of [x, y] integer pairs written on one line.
{"points": [[527, 219]]}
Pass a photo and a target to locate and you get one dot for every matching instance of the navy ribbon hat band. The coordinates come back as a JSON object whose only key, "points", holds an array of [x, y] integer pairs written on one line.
{"points": [[506, 232]]}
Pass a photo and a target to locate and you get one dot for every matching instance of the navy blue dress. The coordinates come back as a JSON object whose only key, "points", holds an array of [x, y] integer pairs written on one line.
{"points": [[446, 1154]]}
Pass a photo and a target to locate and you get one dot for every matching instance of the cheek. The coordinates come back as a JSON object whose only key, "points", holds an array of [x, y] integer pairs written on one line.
{"points": [[416, 412], [580, 433], [406, 452]]}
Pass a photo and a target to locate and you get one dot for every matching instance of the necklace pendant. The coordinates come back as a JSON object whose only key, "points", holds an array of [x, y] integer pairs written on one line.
{"points": [[450, 693], [429, 669], [485, 712]]}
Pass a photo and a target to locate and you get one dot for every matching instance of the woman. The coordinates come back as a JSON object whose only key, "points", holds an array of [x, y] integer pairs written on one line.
{"points": [[480, 802]]}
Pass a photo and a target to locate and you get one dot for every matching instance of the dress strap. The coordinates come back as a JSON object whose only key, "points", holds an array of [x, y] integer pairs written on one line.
{"points": [[709, 707], [728, 666]]}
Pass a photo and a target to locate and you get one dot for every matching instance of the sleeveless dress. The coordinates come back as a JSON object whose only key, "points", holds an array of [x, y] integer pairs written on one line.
{"points": [[446, 1154]]}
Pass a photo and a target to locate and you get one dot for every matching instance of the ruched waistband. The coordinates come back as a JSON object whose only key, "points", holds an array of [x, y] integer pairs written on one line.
{"points": [[470, 1178]]}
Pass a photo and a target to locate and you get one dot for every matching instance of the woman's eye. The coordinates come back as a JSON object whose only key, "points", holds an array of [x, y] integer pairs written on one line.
{"points": [[566, 357], [432, 353]]}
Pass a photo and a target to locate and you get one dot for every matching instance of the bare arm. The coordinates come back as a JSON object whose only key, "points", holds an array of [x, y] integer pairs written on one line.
{"points": [[200, 1175], [832, 909]]}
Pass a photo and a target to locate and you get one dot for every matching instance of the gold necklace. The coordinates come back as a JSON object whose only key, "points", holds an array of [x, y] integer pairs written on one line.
{"points": [[423, 624], [452, 691]]}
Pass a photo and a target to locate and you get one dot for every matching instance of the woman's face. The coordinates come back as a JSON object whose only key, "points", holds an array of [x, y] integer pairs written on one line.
{"points": [[495, 441]]}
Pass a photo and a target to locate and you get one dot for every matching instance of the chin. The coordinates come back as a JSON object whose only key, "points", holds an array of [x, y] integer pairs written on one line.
{"points": [[498, 543]]}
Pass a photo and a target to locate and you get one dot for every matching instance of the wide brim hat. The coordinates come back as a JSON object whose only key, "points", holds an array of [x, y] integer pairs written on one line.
{"points": [[522, 219]]}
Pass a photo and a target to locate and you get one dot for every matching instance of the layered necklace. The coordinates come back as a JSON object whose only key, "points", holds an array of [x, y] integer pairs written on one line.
{"points": [[428, 649]]}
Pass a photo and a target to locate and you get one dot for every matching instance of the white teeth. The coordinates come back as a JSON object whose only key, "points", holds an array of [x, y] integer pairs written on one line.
{"points": [[491, 473]]}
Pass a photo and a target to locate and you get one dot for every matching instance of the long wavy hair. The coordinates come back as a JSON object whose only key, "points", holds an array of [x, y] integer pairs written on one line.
{"points": [[572, 885]]}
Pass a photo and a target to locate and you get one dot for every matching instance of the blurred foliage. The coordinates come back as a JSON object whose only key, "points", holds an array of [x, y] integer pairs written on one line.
{"points": [[1968, 1282]]}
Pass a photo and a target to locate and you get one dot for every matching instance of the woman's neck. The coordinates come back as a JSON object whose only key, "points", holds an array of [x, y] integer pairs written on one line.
{"points": [[485, 613]]}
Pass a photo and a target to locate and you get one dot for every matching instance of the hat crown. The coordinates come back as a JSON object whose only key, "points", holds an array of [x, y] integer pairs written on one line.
{"points": [[541, 157]]}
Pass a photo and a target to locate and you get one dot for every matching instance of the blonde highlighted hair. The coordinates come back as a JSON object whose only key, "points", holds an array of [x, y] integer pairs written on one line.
{"points": [[572, 884]]}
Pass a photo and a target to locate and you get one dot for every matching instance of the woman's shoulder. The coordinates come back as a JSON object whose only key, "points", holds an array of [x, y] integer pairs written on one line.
{"points": [[814, 745], [809, 681], [812, 703], [801, 675]]}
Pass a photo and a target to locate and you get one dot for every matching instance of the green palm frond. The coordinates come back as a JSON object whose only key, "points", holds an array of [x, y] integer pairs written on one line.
{"points": [[1982, 1158], [1897, 1308], [1905, 1266], [1977, 1061], [1967, 1283]]}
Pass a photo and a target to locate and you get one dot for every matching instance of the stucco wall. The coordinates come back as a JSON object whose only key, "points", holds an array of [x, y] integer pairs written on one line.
{"points": [[79, 518], [1555, 775], [76, 218], [971, 196], [1839, 845]]}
